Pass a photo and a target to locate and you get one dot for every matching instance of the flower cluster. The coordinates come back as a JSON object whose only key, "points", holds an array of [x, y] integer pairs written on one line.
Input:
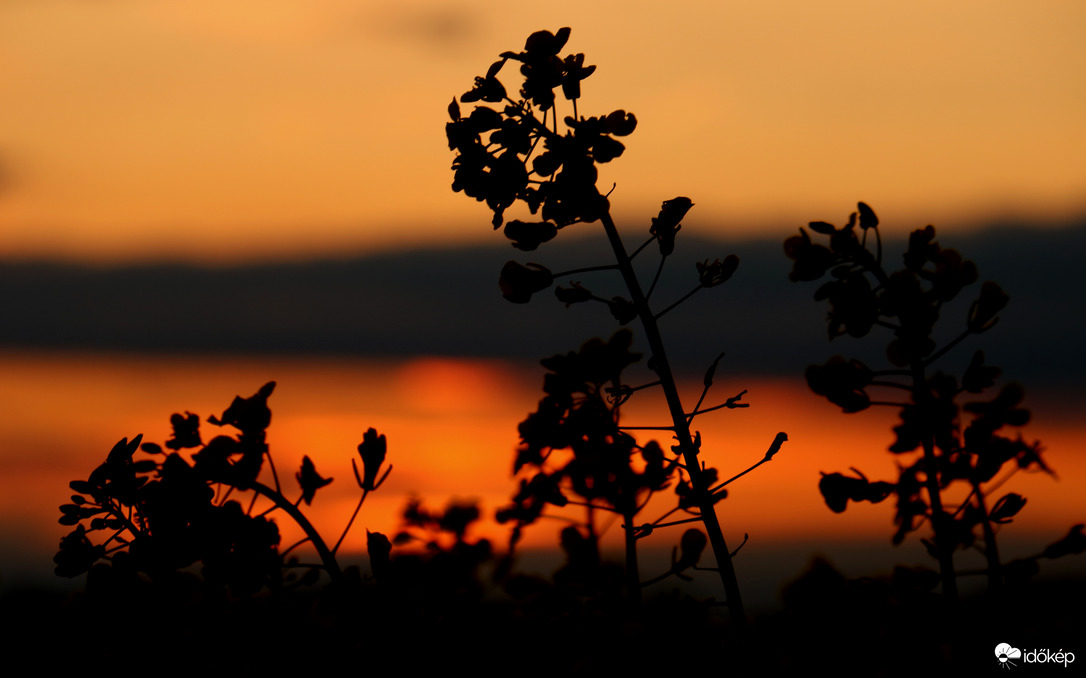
{"points": [[517, 147], [862, 294], [960, 445], [166, 511], [516, 152], [605, 465]]}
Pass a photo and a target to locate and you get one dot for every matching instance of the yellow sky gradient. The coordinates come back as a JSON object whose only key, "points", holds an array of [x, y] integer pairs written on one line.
{"points": [[208, 130]]}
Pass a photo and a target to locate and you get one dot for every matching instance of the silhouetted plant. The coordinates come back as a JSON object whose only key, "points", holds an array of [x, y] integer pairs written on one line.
{"points": [[519, 150], [445, 572], [164, 512], [967, 460]]}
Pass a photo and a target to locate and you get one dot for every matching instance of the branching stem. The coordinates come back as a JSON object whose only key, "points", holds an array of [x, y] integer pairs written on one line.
{"points": [[681, 428], [326, 556]]}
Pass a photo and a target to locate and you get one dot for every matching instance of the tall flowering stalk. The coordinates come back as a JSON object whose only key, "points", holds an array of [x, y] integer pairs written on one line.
{"points": [[959, 464], [515, 148]]}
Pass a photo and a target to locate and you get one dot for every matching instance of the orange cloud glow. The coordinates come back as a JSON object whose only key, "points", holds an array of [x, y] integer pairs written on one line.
{"points": [[204, 131], [451, 434]]}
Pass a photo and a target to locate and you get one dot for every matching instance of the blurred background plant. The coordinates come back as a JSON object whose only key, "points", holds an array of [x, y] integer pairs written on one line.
{"points": [[962, 462]]}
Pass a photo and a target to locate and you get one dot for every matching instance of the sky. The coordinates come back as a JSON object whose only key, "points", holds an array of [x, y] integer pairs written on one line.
{"points": [[210, 131], [451, 431]]}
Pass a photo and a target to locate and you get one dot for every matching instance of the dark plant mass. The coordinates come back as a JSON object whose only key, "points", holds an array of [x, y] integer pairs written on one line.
{"points": [[519, 150], [954, 456], [181, 544], [159, 513]]}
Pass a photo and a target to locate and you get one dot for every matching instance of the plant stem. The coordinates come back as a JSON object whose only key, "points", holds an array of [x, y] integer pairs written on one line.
{"points": [[586, 269], [326, 556], [922, 398], [946, 349], [350, 522], [939, 518], [633, 577], [682, 429], [991, 550], [681, 300]]}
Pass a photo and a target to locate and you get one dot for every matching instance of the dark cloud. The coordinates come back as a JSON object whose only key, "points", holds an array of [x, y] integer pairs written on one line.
{"points": [[447, 302], [433, 26]]}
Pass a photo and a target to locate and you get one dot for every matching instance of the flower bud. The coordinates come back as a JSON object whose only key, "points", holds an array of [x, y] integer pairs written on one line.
{"points": [[982, 315], [372, 450], [518, 282], [666, 224], [529, 235], [718, 272]]}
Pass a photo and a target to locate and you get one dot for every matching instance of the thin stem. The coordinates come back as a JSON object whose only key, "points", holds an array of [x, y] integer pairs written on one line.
{"points": [[326, 556], [633, 578], [645, 503], [564, 519], [225, 495], [350, 522], [643, 246], [271, 464], [127, 521], [965, 503], [746, 538], [991, 550], [997, 484], [117, 535], [731, 404], [682, 429], [684, 298], [704, 392], [586, 269], [677, 522], [774, 448], [295, 545], [592, 506], [619, 394], [657, 523], [737, 476], [656, 278], [939, 519], [944, 350], [657, 579]]}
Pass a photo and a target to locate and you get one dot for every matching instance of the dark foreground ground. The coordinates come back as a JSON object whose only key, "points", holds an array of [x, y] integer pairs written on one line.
{"points": [[827, 625]]}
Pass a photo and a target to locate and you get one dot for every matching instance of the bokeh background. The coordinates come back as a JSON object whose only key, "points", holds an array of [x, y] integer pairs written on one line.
{"points": [[198, 197]]}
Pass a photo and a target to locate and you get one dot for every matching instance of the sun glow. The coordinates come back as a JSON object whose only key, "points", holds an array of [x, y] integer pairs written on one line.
{"points": [[451, 427]]}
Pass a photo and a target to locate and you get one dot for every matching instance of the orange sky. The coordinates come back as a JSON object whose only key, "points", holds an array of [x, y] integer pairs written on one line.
{"points": [[451, 430], [210, 130]]}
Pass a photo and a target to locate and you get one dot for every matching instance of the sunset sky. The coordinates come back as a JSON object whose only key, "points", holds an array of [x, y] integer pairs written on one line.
{"points": [[205, 131], [208, 130]]}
